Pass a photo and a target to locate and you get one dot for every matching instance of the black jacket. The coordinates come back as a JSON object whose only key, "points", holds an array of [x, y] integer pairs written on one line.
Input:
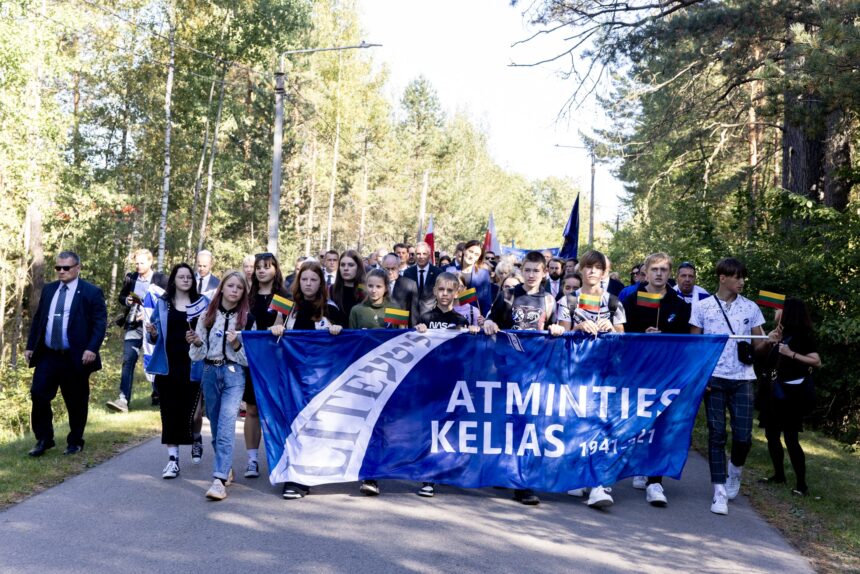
{"points": [[674, 314], [405, 296], [427, 301], [159, 279], [86, 329]]}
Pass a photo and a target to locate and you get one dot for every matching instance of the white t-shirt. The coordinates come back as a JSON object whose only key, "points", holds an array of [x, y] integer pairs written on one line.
{"points": [[744, 316]]}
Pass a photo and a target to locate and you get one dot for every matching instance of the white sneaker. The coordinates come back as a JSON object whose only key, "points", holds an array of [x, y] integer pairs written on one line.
{"points": [[654, 495], [578, 492], [216, 491], [640, 482], [733, 486], [720, 504], [599, 498], [171, 470]]}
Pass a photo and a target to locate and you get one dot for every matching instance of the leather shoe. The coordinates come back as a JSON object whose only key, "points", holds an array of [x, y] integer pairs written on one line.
{"points": [[73, 449], [41, 447]]}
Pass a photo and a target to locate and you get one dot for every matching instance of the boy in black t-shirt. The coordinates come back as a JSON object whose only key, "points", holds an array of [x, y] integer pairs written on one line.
{"points": [[532, 309], [443, 316]]}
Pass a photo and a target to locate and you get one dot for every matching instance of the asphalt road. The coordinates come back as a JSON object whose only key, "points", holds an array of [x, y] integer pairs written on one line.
{"points": [[121, 516]]}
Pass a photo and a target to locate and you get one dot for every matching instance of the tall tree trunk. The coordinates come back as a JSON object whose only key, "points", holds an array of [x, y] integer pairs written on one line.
{"points": [[364, 191], [123, 196], [335, 158], [210, 181], [803, 147], [165, 190], [199, 177], [313, 193], [837, 160]]}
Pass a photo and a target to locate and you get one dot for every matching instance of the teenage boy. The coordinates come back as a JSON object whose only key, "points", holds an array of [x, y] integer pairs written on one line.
{"points": [[135, 286], [731, 384], [656, 308], [529, 308], [443, 316], [594, 310]]}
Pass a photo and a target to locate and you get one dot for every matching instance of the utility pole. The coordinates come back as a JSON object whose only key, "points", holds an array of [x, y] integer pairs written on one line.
{"points": [[277, 143]]}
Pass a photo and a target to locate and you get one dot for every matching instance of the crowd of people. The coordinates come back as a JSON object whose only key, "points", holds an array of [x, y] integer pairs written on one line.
{"points": [[188, 324]]}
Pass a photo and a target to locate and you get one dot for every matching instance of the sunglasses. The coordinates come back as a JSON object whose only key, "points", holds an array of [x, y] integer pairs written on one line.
{"points": [[64, 267], [265, 255]]}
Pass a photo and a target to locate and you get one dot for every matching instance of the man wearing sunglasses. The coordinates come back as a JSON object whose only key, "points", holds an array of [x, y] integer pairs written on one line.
{"points": [[65, 337]]}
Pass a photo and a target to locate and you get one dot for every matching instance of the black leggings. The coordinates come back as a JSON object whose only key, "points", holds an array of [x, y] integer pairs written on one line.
{"points": [[795, 454]]}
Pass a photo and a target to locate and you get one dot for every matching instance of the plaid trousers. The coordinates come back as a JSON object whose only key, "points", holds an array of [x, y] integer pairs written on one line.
{"points": [[737, 396]]}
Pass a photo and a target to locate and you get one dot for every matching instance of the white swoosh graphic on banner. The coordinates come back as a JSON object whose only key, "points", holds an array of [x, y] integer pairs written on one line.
{"points": [[329, 437]]}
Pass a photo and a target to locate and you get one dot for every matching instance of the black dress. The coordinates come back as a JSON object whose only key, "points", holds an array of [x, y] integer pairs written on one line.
{"points": [[178, 394], [264, 319], [785, 407]]}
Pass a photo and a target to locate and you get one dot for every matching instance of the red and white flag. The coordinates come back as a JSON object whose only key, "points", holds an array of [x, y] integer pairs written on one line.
{"points": [[491, 240], [429, 240]]}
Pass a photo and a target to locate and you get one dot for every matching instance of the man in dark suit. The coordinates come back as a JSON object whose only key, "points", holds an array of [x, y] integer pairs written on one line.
{"points": [[65, 337], [424, 274], [403, 291], [206, 281]]}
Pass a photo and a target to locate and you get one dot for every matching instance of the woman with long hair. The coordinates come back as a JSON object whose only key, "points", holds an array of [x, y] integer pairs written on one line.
{"points": [[474, 274], [171, 334], [267, 280], [217, 342], [793, 355], [311, 311], [348, 288]]}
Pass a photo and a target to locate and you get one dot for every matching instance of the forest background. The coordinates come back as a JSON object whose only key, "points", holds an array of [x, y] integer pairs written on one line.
{"points": [[149, 123]]}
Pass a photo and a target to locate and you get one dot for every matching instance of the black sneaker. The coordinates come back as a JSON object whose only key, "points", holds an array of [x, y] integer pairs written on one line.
{"points": [[526, 497], [369, 487], [293, 491], [427, 490], [196, 451], [252, 470]]}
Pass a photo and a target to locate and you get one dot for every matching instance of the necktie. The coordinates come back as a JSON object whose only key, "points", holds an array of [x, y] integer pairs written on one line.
{"points": [[328, 280], [200, 285], [57, 328], [420, 280]]}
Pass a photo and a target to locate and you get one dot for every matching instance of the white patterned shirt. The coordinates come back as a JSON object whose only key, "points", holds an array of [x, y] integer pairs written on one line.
{"points": [[744, 316]]}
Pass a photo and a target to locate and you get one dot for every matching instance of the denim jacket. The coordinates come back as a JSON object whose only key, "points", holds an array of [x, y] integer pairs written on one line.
{"points": [[158, 362]]}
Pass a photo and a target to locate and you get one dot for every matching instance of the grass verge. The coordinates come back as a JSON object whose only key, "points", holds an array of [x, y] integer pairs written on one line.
{"points": [[106, 433], [824, 526]]}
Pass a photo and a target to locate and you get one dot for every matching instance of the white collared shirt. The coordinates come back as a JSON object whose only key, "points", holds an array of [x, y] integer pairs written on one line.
{"points": [[66, 310]]}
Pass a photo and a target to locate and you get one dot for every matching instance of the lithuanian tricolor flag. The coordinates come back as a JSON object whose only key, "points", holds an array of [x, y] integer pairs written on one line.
{"points": [[281, 305], [360, 291], [770, 299], [468, 296], [589, 303], [646, 299], [394, 316]]}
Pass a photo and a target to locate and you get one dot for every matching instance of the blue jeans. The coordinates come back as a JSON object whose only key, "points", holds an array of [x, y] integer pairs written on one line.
{"points": [[130, 352], [222, 388], [737, 397]]}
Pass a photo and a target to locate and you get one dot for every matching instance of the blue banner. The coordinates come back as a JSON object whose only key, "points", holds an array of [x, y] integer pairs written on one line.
{"points": [[520, 409]]}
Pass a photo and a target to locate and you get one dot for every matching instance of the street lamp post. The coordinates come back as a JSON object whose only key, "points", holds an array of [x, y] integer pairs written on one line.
{"points": [[278, 139], [591, 204]]}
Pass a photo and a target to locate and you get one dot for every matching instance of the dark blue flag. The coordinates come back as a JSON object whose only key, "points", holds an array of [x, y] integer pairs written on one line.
{"points": [[523, 411], [571, 233]]}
